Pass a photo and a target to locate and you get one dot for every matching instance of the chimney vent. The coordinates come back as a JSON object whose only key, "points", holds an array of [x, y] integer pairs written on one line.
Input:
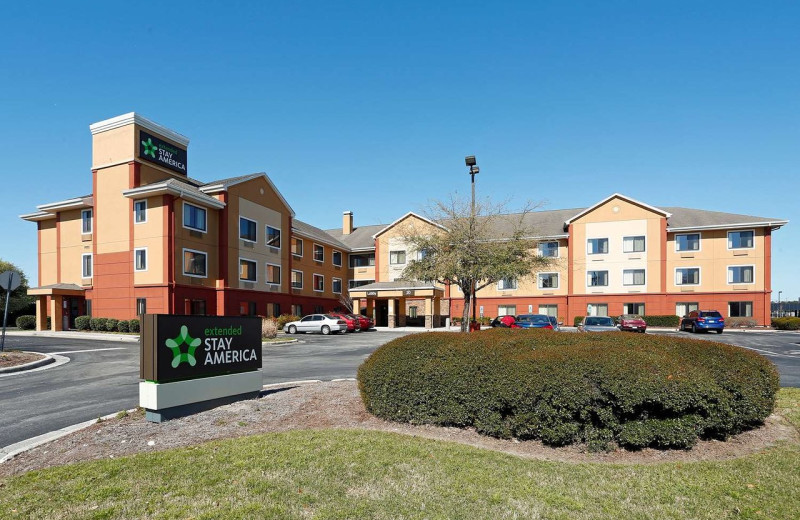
{"points": [[347, 222]]}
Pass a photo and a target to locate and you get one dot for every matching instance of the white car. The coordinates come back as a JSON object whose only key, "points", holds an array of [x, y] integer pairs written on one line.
{"points": [[322, 323]]}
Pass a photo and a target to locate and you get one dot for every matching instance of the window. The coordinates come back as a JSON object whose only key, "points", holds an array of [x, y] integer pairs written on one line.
{"points": [[364, 260], [397, 257], [337, 285], [297, 247], [548, 249], [297, 310], [273, 237], [319, 253], [633, 308], [506, 310], [597, 246], [194, 217], [197, 307], [273, 274], [740, 309], [352, 284], [421, 255], [319, 283], [86, 221], [740, 274], [633, 277], [687, 276], [88, 307], [318, 309], [412, 311], [549, 310], [633, 244], [140, 259], [273, 310], [247, 308], [194, 263], [337, 258], [548, 280], [247, 229], [141, 306], [684, 308], [247, 270], [140, 211], [740, 239], [687, 242], [86, 265], [597, 278], [597, 309], [507, 284], [297, 280]]}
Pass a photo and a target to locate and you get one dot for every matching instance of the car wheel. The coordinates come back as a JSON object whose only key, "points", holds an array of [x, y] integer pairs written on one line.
{"points": [[292, 329], [719, 331], [326, 330], [694, 328]]}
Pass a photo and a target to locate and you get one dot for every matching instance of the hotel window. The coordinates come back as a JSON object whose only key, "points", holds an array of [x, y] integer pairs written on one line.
{"points": [[297, 279], [194, 217], [297, 310], [740, 309], [597, 246], [352, 284], [319, 283], [507, 284], [88, 307], [597, 309], [740, 274], [247, 308], [140, 211], [194, 263], [549, 310], [633, 308], [337, 285], [140, 259], [633, 277], [740, 239], [364, 260], [86, 221], [684, 308], [273, 274], [86, 265], [319, 253], [506, 310], [633, 244], [197, 307], [687, 242], [247, 229], [412, 311], [687, 276], [141, 306], [548, 249], [297, 247], [319, 309], [421, 255], [247, 270], [597, 278], [337, 258], [273, 237], [397, 257], [548, 280], [273, 310]]}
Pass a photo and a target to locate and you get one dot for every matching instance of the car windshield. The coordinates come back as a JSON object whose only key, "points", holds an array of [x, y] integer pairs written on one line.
{"points": [[601, 321], [631, 317], [328, 316], [533, 318], [711, 314]]}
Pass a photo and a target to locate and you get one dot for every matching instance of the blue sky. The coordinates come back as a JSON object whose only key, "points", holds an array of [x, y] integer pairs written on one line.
{"points": [[371, 106]]}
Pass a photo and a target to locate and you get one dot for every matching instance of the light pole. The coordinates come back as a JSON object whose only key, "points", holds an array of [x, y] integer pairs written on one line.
{"points": [[473, 170], [779, 303]]}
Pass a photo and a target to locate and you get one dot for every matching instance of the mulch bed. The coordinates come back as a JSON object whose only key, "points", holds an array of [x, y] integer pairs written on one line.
{"points": [[13, 358]]}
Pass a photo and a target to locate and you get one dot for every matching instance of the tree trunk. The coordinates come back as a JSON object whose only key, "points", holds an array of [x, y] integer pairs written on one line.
{"points": [[465, 314]]}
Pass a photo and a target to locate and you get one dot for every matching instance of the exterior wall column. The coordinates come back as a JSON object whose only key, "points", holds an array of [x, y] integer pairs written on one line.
{"points": [[391, 322], [401, 313], [371, 309], [437, 312], [41, 313], [56, 312], [429, 313]]}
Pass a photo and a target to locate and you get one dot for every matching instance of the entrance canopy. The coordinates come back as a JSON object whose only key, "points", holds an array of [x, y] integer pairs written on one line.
{"points": [[65, 302], [58, 289], [386, 302], [397, 289]]}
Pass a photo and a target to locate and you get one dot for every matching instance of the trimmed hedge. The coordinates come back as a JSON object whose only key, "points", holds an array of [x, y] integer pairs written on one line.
{"points": [[82, 322], [98, 324], [123, 326], [111, 324], [283, 319], [26, 322], [662, 320], [577, 321], [788, 323], [632, 390], [133, 325]]}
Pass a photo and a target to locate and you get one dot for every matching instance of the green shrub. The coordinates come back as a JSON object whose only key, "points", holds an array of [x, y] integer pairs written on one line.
{"points": [[577, 321], [283, 319], [632, 390], [456, 320], [740, 322], [123, 326], [98, 324], [788, 323], [82, 322], [111, 324], [665, 320], [133, 325], [26, 322]]}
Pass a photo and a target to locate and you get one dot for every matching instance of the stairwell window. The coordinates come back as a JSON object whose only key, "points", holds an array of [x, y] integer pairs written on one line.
{"points": [[140, 211], [140, 259], [86, 265], [86, 221]]}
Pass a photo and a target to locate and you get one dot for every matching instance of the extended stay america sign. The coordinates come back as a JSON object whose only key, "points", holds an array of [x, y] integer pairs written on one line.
{"points": [[175, 348], [160, 152]]}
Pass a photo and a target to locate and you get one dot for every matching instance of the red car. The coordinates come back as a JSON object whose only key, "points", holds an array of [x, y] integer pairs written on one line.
{"points": [[632, 322], [507, 322], [353, 323], [366, 323]]}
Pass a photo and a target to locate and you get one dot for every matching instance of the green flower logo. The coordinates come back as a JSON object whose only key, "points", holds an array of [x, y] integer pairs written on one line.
{"points": [[175, 346], [149, 148]]}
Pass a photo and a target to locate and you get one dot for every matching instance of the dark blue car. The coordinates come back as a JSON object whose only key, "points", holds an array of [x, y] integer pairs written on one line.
{"points": [[696, 321], [534, 321]]}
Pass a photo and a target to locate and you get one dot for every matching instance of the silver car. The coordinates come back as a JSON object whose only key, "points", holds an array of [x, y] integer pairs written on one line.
{"points": [[597, 324], [322, 323]]}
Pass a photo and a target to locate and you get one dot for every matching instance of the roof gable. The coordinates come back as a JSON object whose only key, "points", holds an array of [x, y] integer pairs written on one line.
{"points": [[619, 196], [408, 215]]}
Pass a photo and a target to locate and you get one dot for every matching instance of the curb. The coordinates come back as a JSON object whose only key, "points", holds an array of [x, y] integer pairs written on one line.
{"points": [[76, 335], [29, 366]]}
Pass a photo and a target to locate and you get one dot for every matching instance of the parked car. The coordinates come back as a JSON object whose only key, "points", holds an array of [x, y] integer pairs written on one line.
{"points": [[696, 321], [632, 322], [353, 323], [597, 324], [507, 322], [366, 323], [534, 321], [323, 323], [554, 322]]}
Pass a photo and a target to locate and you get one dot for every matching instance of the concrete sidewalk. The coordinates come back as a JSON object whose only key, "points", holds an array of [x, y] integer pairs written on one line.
{"points": [[70, 334]]}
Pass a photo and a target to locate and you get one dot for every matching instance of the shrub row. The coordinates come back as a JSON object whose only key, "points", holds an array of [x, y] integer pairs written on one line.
{"points": [[632, 390], [662, 320], [740, 322], [106, 324], [283, 319], [788, 323], [26, 322]]}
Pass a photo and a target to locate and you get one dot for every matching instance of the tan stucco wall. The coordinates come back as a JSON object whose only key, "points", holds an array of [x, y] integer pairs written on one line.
{"points": [[48, 253], [310, 267], [113, 146], [73, 246], [529, 285], [112, 210], [150, 234], [393, 239], [207, 242]]}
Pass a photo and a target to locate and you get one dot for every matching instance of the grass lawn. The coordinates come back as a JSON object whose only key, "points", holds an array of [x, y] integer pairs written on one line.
{"points": [[359, 474]]}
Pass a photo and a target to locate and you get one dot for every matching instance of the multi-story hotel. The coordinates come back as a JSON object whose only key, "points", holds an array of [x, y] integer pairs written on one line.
{"points": [[149, 238]]}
